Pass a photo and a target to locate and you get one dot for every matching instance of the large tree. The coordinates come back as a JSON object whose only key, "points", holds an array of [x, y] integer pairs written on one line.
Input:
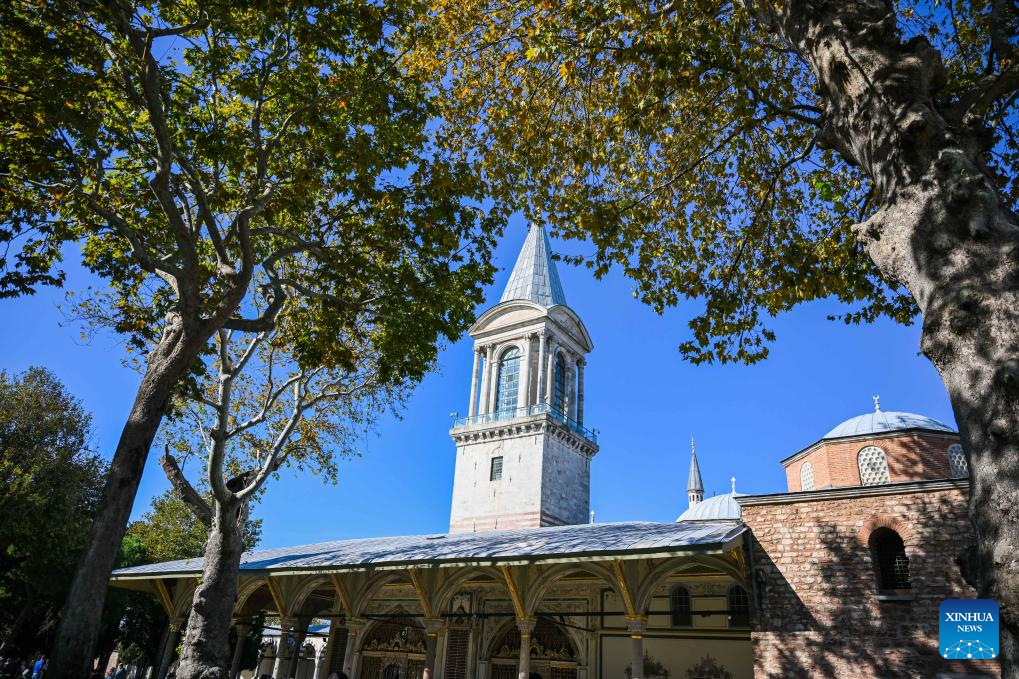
{"points": [[754, 155], [50, 479], [214, 159], [167, 531], [259, 412]]}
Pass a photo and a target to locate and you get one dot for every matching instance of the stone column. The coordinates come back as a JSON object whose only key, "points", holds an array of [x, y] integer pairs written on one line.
{"points": [[636, 625], [568, 397], [354, 627], [550, 371], [322, 668], [524, 395], [242, 634], [472, 410], [432, 628], [170, 647], [493, 382], [300, 632], [320, 661], [525, 626], [539, 397], [580, 391], [282, 649], [486, 379]]}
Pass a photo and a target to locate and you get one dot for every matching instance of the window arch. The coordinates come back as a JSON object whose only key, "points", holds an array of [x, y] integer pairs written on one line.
{"points": [[559, 385], [679, 606], [738, 603], [957, 464], [873, 466], [891, 565], [806, 476], [508, 386]]}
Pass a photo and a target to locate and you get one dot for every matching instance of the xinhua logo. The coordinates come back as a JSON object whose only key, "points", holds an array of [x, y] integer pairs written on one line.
{"points": [[968, 629]]}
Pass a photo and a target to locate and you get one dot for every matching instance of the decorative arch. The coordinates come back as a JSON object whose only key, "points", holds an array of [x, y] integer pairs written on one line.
{"points": [[244, 591], [549, 642], [873, 465], [305, 590], [372, 587], [663, 571], [445, 593], [540, 587], [876, 521]]}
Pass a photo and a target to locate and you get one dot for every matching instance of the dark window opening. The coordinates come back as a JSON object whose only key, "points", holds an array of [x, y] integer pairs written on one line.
{"points": [[891, 564], [679, 606], [739, 607], [496, 472]]}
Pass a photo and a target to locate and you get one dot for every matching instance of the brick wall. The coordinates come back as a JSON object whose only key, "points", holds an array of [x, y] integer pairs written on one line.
{"points": [[911, 457], [819, 614]]}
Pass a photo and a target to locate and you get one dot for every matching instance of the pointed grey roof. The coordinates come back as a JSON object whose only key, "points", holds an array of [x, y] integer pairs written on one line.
{"points": [[534, 275], [694, 482]]}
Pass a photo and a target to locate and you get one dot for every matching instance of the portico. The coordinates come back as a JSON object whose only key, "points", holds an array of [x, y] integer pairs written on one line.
{"points": [[557, 602]]}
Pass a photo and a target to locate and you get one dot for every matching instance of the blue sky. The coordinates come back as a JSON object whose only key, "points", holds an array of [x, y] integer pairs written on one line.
{"points": [[645, 401]]}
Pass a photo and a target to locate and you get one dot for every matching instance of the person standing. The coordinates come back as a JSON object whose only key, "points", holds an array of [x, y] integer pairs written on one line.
{"points": [[39, 667]]}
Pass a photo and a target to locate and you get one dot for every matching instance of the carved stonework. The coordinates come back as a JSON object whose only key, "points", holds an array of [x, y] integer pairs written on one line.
{"points": [[708, 668]]}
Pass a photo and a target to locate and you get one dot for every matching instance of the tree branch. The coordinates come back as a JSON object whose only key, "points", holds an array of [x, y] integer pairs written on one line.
{"points": [[191, 497]]}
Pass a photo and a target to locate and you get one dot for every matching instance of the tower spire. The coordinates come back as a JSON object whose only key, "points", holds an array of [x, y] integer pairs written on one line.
{"points": [[534, 275], [694, 485]]}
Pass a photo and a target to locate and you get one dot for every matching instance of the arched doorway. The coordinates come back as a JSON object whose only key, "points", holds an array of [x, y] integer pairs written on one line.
{"points": [[553, 655], [393, 648]]}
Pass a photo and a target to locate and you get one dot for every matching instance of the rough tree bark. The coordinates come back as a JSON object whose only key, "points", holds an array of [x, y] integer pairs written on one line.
{"points": [[943, 232], [207, 652], [78, 627]]}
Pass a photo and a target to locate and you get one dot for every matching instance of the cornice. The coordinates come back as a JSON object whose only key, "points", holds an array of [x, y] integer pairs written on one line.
{"points": [[851, 492], [524, 426]]}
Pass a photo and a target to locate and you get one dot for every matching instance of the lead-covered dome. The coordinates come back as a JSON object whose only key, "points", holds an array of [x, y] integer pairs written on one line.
{"points": [[717, 508], [881, 422]]}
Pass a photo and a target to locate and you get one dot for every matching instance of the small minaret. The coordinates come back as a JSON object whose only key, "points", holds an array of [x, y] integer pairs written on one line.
{"points": [[694, 485]]}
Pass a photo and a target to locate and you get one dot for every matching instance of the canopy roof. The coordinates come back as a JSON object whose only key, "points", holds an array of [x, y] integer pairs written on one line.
{"points": [[523, 545]]}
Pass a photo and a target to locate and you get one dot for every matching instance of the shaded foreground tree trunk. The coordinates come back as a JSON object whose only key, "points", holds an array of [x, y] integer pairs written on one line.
{"points": [[207, 652], [80, 618], [941, 231]]}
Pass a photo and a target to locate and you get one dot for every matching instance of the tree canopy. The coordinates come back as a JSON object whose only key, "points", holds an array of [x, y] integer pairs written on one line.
{"points": [[49, 487], [690, 143]]}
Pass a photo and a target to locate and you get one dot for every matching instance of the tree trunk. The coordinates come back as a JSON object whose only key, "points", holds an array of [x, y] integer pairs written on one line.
{"points": [[942, 231], [80, 618], [206, 653]]}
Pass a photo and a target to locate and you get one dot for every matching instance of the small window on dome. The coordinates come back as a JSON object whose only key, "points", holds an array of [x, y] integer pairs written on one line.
{"points": [[957, 464], [806, 476], [873, 466]]}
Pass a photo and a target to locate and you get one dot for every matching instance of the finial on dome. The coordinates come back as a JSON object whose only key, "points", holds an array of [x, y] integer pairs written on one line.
{"points": [[694, 484], [733, 479], [877, 404]]}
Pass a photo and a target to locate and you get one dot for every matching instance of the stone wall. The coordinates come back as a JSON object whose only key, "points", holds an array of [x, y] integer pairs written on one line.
{"points": [[911, 457], [819, 611]]}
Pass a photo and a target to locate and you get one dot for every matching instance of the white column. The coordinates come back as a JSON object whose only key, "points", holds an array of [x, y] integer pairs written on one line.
{"points": [[637, 626], [354, 627], [580, 391], [493, 379], [568, 397], [326, 652], [550, 371], [486, 373], [278, 668], [472, 410], [242, 633], [523, 396], [539, 396], [524, 663]]}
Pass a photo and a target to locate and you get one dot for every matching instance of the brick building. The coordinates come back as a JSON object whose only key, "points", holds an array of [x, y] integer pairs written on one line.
{"points": [[850, 566]]}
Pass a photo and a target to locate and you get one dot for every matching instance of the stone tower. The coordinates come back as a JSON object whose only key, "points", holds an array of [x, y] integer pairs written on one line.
{"points": [[523, 454]]}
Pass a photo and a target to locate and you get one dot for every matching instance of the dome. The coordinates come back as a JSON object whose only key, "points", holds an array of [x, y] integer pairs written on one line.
{"points": [[717, 508], [881, 422]]}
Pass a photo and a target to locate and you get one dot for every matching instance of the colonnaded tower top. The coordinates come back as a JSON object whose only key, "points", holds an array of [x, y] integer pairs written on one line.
{"points": [[523, 454]]}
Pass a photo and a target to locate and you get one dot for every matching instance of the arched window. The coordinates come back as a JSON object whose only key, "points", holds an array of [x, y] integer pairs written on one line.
{"points": [[891, 565], [739, 606], [509, 381], [806, 476], [559, 386], [679, 606], [873, 466], [957, 464]]}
